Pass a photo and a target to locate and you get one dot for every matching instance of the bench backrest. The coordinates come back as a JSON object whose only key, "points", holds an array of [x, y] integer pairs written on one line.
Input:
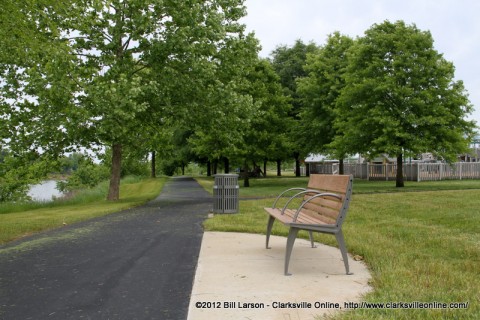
{"points": [[328, 209]]}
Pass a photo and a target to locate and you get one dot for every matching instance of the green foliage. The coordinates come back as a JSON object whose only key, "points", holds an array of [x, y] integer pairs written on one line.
{"points": [[288, 63], [71, 162], [26, 33], [221, 132], [267, 138], [169, 167], [17, 174], [134, 161], [113, 73], [401, 97], [319, 92], [12, 186], [135, 166], [87, 175], [227, 109], [13, 189]]}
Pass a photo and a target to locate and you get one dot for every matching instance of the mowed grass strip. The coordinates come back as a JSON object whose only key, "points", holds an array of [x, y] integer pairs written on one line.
{"points": [[19, 220], [419, 246], [273, 185]]}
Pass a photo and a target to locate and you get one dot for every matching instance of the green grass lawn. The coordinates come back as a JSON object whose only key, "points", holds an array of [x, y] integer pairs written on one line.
{"points": [[420, 243], [19, 220]]}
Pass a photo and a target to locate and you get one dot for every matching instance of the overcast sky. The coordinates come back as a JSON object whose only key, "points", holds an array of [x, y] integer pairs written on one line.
{"points": [[454, 25]]}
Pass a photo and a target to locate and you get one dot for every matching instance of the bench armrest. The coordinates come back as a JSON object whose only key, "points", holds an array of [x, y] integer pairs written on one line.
{"points": [[288, 190]]}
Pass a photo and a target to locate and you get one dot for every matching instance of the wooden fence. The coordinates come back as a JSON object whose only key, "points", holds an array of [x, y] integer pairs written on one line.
{"points": [[411, 171]]}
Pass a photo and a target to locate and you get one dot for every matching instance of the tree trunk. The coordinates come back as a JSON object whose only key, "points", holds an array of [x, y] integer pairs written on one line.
{"points": [[399, 182], [264, 168], [307, 169], [114, 189], [209, 169], [226, 163], [279, 168], [153, 172], [297, 164], [246, 178], [341, 167]]}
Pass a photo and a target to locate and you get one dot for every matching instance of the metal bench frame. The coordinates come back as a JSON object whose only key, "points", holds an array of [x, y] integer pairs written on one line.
{"points": [[295, 226]]}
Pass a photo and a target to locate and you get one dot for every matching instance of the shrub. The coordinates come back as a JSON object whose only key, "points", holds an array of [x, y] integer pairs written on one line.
{"points": [[88, 175]]}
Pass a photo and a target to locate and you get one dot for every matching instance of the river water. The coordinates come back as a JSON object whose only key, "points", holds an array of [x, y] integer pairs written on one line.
{"points": [[44, 191]]}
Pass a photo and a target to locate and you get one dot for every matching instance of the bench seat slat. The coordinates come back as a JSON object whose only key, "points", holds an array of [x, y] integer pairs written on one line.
{"points": [[303, 217]]}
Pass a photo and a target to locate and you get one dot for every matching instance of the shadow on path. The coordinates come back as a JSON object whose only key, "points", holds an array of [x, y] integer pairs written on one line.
{"points": [[135, 264]]}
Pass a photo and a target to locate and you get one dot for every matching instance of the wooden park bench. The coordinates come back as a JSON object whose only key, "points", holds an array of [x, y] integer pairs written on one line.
{"points": [[321, 207]]}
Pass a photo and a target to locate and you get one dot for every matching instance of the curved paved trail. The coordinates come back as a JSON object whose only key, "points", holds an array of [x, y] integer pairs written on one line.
{"points": [[135, 264]]}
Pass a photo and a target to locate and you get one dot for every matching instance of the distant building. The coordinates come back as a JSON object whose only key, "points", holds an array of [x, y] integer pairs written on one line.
{"points": [[318, 163]]}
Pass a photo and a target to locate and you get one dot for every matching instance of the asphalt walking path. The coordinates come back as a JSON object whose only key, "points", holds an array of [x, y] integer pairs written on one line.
{"points": [[136, 264]]}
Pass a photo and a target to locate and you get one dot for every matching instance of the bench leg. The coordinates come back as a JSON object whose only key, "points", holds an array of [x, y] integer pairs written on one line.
{"points": [[310, 234], [271, 220], [343, 249], [292, 235]]}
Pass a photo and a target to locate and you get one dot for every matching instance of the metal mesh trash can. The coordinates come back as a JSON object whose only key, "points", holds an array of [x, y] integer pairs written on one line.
{"points": [[225, 193]]}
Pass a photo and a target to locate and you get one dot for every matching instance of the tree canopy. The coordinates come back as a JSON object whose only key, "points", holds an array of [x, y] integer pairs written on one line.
{"points": [[289, 63], [138, 76], [319, 91], [400, 97], [115, 68]]}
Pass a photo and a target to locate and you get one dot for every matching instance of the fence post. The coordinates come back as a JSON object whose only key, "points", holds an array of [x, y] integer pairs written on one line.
{"points": [[418, 172]]}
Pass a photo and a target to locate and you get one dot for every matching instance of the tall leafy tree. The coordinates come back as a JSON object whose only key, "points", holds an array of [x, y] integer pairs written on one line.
{"points": [[93, 88], [225, 113], [265, 139], [401, 98], [27, 36], [288, 62], [219, 131], [319, 92]]}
